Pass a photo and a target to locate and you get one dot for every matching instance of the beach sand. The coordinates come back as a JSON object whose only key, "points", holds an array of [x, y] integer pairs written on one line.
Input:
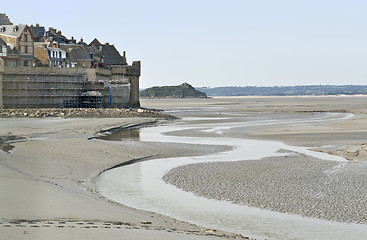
{"points": [[47, 183], [48, 180]]}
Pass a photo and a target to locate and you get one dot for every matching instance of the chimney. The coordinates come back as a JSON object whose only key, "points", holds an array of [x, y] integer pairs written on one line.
{"points": [[37, 25], [124, 57], [107, 44], [52, 30], [81, 39], [59, 32], [55, 45]]}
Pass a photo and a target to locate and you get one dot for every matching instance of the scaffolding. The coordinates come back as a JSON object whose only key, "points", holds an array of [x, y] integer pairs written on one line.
{"points": [[116, 95], [51, 87], [58, 89], [92, 96]]}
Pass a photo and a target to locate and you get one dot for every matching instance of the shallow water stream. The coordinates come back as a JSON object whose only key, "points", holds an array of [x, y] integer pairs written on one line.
{"points": [[140, 185]]}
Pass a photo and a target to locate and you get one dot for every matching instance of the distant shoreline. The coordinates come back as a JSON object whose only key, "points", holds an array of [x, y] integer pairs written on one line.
{"points": [[289, 96], [308, 90]]}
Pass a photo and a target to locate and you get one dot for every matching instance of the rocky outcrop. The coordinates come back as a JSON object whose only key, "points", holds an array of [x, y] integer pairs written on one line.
{"points": [[184, 90], [81, 113]]}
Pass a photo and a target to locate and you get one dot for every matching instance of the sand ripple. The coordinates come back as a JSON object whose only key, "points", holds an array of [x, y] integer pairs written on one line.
{"points": [[294, 184]]}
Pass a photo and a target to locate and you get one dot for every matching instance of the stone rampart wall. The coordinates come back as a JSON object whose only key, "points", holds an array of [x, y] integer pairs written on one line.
{"points": [[41, 87], [24, 87]]}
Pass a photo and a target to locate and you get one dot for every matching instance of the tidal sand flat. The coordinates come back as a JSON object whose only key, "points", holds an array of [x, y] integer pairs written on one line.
{"points": [[283, 183], [48, 182], [295, 184], [48, 179]]}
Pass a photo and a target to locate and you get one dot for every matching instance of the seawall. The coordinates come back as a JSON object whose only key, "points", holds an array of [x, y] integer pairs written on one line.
{"points": [[45, 87]]}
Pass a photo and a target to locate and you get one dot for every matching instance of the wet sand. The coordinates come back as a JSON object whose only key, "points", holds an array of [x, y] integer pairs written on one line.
{"points": [[296, 184], [48, 181]]}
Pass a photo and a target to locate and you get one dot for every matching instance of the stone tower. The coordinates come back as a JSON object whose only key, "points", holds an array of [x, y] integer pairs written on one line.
{"points": [[134, 84], [4, 20]]}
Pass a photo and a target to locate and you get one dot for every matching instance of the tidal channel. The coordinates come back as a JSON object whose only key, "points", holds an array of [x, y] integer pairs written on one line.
{"points": [[140, 185]]}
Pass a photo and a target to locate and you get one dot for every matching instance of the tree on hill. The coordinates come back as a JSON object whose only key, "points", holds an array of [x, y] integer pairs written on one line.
{"points": [[184, 90]]}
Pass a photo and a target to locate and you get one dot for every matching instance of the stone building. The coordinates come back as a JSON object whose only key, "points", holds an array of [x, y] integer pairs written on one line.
{"points": [[38, 32], [40, 68], [21, 38], [46, 87], [111, 57], [3, 48], [9, 54], [57, 56], [80, 57]]}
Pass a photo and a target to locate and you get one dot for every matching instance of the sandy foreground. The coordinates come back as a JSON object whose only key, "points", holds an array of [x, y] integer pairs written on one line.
{"points": [[47, 183], [48, 180]]}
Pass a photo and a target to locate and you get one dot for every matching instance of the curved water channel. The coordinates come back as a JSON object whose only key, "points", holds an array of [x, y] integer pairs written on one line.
{"points": [[140, 185]]}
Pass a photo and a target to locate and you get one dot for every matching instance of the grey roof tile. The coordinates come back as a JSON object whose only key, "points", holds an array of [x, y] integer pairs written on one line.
{"points": [[12, 30]]}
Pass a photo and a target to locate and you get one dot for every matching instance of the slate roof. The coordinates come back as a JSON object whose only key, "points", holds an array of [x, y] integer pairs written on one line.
{"points": [[4, 20], [95, 42], [12, 30], [38, 32], [82, 54], [56, 37], [112, 56], [109, 53]]}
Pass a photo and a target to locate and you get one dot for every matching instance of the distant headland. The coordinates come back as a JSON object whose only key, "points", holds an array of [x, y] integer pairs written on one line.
{"points": [[184, 90]]}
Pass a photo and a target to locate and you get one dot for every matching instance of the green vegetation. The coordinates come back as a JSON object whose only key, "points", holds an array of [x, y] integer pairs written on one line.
{"points": [[184, 90], [286, 90]]}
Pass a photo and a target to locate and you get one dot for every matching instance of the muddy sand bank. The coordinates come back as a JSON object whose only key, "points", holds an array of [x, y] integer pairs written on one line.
{"points": [[48, 181]]}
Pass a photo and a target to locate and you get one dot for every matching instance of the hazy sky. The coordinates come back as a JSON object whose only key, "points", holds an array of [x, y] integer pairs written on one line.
{"points": [[220, 43]]}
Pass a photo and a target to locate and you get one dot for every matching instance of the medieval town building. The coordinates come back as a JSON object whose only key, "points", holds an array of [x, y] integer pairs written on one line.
{"points": [[40, 68]]}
